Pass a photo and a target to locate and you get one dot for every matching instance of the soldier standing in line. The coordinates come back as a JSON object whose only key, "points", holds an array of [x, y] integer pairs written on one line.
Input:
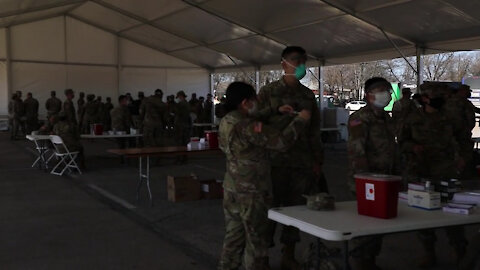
{"points": [[70, 135], [297, 171], [170, 118], [108, 106], [121, 119], [183, 122], [431, 144], [371, 148], [31, 113], [69, 108], [90, 114], [23, 118], [53, 105], [80, 108], [247, 182], [208, 109], [461, 113], [13, 120], [100, 117], [152, 115], [402, 108]]}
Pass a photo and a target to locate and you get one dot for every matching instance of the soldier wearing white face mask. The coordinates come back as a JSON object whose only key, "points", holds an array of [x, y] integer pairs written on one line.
{"points": [[371, 148]]}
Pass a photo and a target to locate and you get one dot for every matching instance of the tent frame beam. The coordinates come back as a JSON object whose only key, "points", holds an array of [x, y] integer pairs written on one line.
{"points": [[150, 23], [40, 8], [134, 40], [360, 18]]}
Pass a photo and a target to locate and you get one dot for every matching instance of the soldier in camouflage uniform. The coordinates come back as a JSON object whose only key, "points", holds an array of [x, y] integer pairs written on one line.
{"points": [[100, 117], [53, 105], [31, 113], [247, 182], [80, 108], [70, 135], [108, 108], [121, 119], [69, 108], [402, 108], [14, 114], [183, 122], [461, 113], [152, 115], [297, 171], [89, 114], [431, 145], [371, 148]]}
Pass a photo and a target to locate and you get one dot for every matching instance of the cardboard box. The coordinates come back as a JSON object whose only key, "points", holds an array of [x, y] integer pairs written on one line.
{"points": [[425, 200], [184, 188], [211, 189]]}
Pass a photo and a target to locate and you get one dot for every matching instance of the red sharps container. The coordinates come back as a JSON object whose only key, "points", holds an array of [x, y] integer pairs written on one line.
{"points": [[212, 138], [97, 129], [377, 194]]}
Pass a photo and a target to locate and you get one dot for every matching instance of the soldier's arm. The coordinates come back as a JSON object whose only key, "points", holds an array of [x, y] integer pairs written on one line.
{"points": [[315, 136], [470, 114], [405, 140], [270, 138], [357, 140], [264, 106]]}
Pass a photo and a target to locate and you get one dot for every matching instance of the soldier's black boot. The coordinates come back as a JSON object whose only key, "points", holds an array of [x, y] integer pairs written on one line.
{"points": [[288, 258]]}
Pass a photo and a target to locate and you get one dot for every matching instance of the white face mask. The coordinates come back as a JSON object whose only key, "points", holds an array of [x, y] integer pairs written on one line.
{"points": [[253, 109], [382, 99]]}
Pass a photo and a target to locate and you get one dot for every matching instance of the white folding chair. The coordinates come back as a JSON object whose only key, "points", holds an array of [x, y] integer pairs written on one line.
{"points": [[67, 158], [42, 150]]}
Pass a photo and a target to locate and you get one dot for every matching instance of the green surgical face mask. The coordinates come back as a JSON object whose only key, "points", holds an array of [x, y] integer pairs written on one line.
{"points": [[300, 70]]}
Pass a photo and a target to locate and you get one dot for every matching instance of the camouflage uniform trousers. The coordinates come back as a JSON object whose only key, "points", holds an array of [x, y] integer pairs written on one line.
{"points": [[246, 219], [153, 135], [182, 134], [455, 234], [289, 184]]}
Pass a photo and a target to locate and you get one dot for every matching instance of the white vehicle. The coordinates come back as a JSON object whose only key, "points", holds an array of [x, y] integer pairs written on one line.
{"points": [[355, 105]]}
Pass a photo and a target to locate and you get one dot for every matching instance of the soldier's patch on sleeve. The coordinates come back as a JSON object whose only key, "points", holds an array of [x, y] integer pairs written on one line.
{"points": [[257, 127], [354, 122]]}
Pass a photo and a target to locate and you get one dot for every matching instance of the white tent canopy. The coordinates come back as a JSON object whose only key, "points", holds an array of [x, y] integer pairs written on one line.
{"points": [[114, 46]]}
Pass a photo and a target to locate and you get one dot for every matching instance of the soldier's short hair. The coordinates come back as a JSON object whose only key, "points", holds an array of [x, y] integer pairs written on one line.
{"points": [[375, 82], [159, 92], [292, 49], [68, 91], [121, 98], [29, 94], [53, 93], [238, 92]]}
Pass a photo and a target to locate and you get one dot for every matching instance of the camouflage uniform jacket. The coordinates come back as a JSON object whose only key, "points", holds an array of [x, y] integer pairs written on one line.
{"points": [[371, 142], [69, 110], [244, 142], [31, 107], [153, 112], [435, 133], [400, 111], [53, 105], [121, 118], [182, 114], [80, 108], [461, 113], [69, 133], [90, 112], [308, 148]]}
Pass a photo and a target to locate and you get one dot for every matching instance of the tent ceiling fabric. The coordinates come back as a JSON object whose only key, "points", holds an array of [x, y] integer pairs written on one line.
{"points": [[217, 34]]}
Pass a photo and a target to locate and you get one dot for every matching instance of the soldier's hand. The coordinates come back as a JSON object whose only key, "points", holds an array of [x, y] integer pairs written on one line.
{"points": [[287, 109], [305, 114]]}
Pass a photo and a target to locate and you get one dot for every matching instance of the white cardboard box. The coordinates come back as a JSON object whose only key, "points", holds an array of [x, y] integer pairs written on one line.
{"points": [[425, 200]]}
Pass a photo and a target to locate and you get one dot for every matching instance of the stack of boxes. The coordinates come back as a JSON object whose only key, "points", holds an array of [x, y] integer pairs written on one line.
{"points": [[448, 188], [422, 195]]}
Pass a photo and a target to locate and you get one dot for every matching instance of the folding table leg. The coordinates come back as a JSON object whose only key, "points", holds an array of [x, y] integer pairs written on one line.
{"points": [[140, 170], [148, 181], [346, 264]]}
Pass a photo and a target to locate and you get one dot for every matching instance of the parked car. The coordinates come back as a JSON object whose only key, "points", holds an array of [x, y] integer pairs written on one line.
{"points": [[355, 105]]}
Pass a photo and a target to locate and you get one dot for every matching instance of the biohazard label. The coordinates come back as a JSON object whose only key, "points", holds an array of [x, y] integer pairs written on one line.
{"points": [[369, 191]]}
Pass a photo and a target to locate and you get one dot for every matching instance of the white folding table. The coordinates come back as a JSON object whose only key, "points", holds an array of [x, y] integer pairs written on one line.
{"points": [[344, 223]]}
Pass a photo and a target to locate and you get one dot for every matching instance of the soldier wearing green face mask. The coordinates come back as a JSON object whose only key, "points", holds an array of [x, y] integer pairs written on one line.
{"points": [[296, 171], [371, 148], [247, 184]]}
